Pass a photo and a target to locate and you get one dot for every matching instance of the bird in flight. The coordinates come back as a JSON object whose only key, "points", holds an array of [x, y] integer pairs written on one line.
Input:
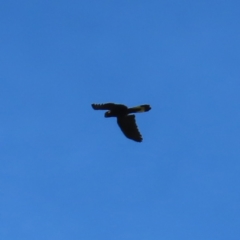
{"points": [[127, 123]]}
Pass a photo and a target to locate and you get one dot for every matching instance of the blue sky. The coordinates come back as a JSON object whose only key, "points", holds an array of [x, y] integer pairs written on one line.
{"points": [[66, 172]]}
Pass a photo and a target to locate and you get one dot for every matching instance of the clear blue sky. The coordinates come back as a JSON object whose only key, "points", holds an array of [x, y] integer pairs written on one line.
{"points": [[66, 172]]}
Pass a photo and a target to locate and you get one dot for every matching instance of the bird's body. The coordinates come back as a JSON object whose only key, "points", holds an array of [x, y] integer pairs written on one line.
{"points": [[126, 122]]}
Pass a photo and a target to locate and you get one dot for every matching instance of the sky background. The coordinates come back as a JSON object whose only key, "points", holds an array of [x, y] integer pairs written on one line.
{"points": [[66, 172]]}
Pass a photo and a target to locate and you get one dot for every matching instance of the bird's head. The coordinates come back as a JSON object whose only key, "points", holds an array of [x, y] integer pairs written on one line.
{"points": [[108, 114]]}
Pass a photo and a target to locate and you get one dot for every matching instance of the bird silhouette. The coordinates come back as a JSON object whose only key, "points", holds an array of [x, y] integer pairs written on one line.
{"points": [[126, 122]]}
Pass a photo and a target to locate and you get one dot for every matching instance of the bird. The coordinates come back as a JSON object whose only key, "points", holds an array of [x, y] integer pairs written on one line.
{"points": [[126, 122]]}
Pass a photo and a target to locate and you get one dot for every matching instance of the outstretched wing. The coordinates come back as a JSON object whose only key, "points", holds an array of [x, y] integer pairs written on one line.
{"points": [[105, 106], [129, 127]]}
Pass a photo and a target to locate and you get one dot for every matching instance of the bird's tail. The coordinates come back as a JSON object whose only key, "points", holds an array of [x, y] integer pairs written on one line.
{"points": [[141, 108]]}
